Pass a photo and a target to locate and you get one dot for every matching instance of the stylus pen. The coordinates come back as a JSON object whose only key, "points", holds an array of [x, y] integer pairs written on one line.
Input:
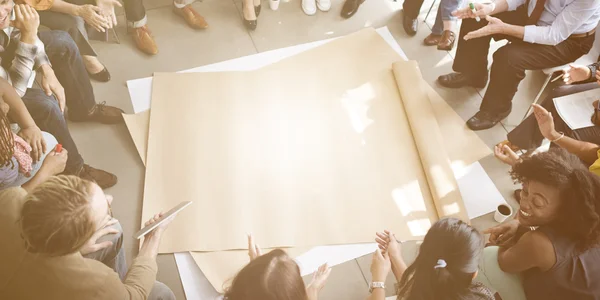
{"points": [[557, 78]]}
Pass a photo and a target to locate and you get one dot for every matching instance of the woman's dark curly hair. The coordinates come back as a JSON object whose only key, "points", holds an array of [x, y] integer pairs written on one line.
{"points": [[579, 213], [6, 142]]}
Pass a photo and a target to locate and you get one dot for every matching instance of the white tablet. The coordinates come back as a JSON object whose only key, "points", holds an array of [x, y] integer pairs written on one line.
{"points": [[165, 216]]}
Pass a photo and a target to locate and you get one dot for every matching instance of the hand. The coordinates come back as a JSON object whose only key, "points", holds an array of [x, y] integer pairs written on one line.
{"points": [[33, 136], [55, 163], [27, 21], [574, 73], [91, 245], [318, 281], [545, 122], [380, 266], [253, 249], [481, 10], [506, 155], [494, 26], [598, 77], [107, 9], [52, 86], [158, 231], [388, 243], [92, 15], [503, 234]]}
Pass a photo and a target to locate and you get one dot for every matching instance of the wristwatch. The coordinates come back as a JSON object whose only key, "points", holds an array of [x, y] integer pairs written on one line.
{"points": [[593, 68], [376, 285]]}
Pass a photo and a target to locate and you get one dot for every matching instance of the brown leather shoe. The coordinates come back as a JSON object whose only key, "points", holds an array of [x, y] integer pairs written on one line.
{"points": [[101, 113], [191, 16], [100, 177], [143, 39], [446, 42], [432, 40]]}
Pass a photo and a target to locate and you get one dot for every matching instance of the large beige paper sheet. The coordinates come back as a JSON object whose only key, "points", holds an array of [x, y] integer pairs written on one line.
{"points": [[365, 150], [138, 124]]}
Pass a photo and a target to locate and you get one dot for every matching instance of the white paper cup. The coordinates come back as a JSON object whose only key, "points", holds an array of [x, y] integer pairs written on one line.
{"points": [[503, 211], [274, 4]]}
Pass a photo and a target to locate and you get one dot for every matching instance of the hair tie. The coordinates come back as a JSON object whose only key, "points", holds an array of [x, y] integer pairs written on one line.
{"points": [[440, 264]]}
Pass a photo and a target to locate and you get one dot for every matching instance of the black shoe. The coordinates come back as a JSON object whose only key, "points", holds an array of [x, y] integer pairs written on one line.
{"points": [[410, 25], [257, 10], [102, 76], [458, 80], [350, 8], [485, 120]]}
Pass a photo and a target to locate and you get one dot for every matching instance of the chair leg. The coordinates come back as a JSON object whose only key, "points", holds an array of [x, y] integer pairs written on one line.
{"points": [[430, 8], [114, 32], [539, 95]]}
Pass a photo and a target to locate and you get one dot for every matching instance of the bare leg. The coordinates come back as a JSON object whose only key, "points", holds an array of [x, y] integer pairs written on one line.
{"points": [[249, 13], [92, 64]]}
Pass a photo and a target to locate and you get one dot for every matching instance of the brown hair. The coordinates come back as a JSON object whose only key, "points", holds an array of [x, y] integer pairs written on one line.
{"points": [[272, 276], [7, 142], [579, 214], [56, 218]]}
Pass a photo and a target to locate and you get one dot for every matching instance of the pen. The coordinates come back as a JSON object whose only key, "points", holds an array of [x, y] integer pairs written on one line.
{"points": [[472, 6], [557, 78]]}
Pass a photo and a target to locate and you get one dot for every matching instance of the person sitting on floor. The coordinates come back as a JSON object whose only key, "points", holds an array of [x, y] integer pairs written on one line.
{"points": [[542, 34], [19, 164], [273, 276], [22, 52], [444, 269], [61, 242], [527, 136], [443, 31], [559, 259]]}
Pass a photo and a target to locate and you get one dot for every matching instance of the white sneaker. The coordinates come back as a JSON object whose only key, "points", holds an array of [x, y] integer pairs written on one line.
{"points": [[274, 4], [309, 7], [324, 5]]}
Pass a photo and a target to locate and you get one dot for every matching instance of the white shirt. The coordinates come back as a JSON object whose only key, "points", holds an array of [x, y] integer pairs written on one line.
{"points": [[560, 19]]}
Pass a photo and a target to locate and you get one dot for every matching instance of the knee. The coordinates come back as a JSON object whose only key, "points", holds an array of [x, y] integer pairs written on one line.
{"points": [[60, 42], [160, 291], [72, 24], [509, 57]]}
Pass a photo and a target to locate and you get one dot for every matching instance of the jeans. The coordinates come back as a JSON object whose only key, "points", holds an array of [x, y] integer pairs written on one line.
{"points": [[527, 135], [135, 12], [73, 25], [114, 258], [509, 286], [444, 13]]}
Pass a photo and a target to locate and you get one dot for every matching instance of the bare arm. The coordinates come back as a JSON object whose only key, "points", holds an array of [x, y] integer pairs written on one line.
{"points": [[532, 250], [65, 8], [588, 152], [18, 112]]}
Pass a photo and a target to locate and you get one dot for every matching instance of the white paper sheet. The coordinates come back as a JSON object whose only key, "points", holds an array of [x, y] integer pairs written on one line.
{"points": [[140, 90], [195, 285], [310, 261], [478, 190], [576, 110]]}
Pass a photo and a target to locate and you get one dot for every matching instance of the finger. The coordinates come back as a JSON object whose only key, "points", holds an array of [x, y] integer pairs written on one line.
{"points": [[251, 245], [102, 232], [117, 3], [381, 241], [112, 222], [381, 235], [258, 251], [41, 150], [18, 13], [100, 246], [378, 254]]}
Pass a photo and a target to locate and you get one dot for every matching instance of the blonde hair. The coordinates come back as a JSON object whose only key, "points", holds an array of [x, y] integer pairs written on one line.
{"points": [[56, 218]]}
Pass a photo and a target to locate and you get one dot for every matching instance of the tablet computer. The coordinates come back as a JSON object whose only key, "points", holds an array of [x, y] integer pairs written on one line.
{"points": [[165, 216]]}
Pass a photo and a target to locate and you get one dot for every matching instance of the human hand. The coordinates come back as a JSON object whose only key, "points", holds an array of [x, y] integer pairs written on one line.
{"points": [[387, 242], [27, 20], [494, 26], [33, 136], [545, 122], [575, 73], [52, 86], [91, 245], [598, 77], [107, 9], [318, 281], [253, 249], [503, 234], [506, 155], [481, 10], [158, 230], [55, 163], [92, 15], [380, 266]]}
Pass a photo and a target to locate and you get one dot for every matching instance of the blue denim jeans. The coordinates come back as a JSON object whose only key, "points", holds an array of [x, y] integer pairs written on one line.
{"points": [[444, 13]]}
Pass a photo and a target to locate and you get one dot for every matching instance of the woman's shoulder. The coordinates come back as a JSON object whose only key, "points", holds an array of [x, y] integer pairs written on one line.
{"points": [[478, 291]]}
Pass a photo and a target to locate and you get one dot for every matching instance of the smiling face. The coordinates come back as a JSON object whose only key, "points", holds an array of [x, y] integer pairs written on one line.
{"points": [[6, 7], [540, 204]]}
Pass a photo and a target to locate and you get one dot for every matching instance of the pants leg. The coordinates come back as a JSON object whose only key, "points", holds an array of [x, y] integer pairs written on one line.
{"points": [[46, 113], [75, 26], [182, 3], [511, 61], [509, 286], [70, 71], [113, 256], [528, 136], [412, 8], [134, 10], [438, 26], [161, 292]]}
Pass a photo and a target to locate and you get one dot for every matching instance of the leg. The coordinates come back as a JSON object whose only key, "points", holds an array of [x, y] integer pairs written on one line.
{"points": [[447, 7], [135, 12], [438, 26], [509, 286], [161, 292], [136, 24], [411, 9], [47, 115], [50, 144], [75, 26], [113, 256]]}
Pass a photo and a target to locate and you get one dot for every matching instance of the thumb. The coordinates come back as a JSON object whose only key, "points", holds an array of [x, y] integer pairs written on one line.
{"points": [[117, 3], [489, 18], [378, 253], [101, 246]]}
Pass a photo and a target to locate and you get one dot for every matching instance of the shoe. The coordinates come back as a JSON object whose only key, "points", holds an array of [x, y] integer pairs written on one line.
{"points": [[250, 24], [432, 40], [101, 113], [324, 5], [100, 177], [274, 4], [257, 10], [102, 76], [485, 120], [143, 39], [191, 16], [446, 42], [517, 195], [458, 80], [411, 25], [309, 7], [350, 8]]}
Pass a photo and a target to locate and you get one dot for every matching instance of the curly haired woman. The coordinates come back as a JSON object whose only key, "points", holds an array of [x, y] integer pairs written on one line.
{"points": [[559, 259]]}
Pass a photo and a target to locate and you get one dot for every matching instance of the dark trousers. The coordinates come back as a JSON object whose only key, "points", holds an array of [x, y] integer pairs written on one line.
{"points": [[134, 10], [70, 71], [510, 61], [74, 26], [528, 136], [412, 8]]}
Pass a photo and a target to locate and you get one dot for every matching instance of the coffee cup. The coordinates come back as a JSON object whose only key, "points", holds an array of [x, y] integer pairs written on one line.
{"points": [[503, 211]]}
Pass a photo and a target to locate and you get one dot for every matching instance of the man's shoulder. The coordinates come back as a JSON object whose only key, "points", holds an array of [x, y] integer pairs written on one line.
{"points": [[11, 201]]}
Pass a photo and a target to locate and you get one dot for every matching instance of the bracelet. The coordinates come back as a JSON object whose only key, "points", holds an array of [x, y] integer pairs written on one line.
{"points": [[562, 135]]}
